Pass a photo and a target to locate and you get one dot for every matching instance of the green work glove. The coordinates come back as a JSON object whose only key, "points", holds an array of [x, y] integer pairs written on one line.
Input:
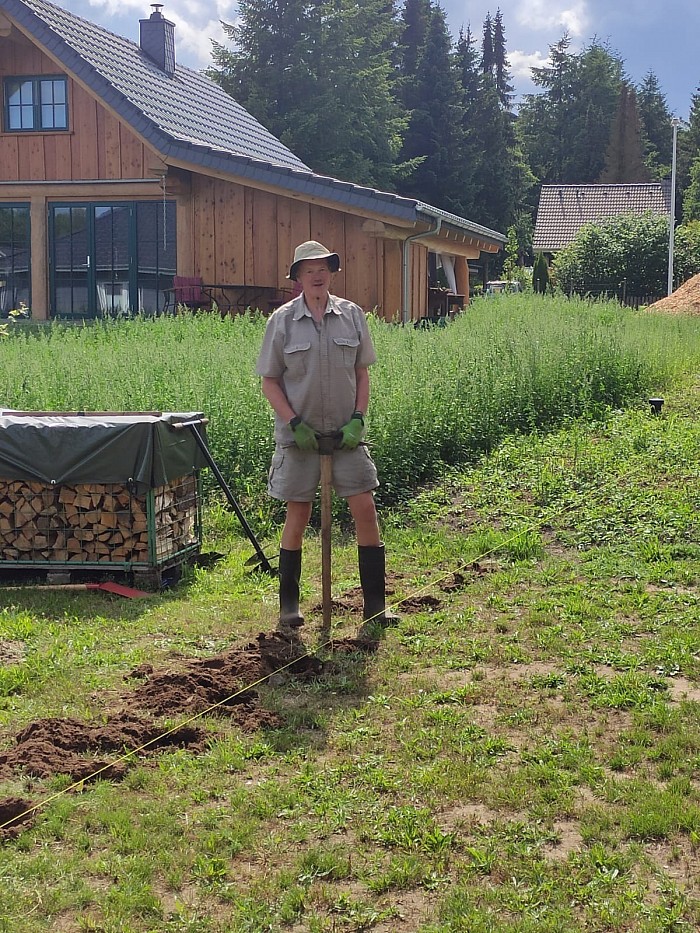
{"points": [[304, 436], [352, 432]]}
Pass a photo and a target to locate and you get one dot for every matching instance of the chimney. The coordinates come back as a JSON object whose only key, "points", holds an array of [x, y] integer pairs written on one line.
{"points": [[158, 39]]}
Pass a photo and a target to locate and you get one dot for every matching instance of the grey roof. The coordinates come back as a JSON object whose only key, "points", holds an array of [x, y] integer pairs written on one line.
{"points": [[564, 209], [121, 73], [188, 118]]}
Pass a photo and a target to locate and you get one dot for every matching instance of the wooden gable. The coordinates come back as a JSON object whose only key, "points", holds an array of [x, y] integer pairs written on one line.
{"points": [[232, 229]]}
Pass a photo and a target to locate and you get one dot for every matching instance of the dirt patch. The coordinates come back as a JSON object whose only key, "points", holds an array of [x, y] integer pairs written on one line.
{"points": [[67, 746], [685, 299], [352, 600], [569, 839], [11, 652], [227, 681], [681, 689], [16, 815], [222, 685]]}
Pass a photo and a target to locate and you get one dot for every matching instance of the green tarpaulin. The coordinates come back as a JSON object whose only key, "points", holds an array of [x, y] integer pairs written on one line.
{"points": [[98, 447]]}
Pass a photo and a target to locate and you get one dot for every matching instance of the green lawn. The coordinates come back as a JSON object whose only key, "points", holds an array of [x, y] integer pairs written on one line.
{"points": [[519, 753]]}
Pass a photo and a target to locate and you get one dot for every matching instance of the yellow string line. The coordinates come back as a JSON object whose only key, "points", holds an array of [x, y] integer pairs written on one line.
{"points": [[431, 583]]}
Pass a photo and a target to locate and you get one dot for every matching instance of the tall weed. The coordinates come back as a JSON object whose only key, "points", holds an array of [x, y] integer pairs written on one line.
{"points": [[439, 396]]}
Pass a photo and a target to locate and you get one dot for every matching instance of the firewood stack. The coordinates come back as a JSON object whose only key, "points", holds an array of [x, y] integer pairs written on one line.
{"points": [[96, 522]]}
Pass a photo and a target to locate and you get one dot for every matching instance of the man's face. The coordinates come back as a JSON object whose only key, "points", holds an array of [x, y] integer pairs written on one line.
{"points": [[314, 274]]}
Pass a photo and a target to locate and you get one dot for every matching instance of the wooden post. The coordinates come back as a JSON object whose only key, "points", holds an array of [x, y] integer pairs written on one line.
{"points": [[326, 445], [462, 277]]}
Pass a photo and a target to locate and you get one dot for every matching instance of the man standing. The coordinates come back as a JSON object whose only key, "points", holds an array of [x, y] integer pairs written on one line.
{"points": [[314, 366]]}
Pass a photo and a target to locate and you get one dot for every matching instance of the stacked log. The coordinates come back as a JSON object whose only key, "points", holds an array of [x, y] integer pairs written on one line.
{"points": [[95, 523], [175, 513]]}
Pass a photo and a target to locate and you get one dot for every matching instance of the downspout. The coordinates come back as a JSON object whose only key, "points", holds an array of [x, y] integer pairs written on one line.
{"points": [[405, 314]]}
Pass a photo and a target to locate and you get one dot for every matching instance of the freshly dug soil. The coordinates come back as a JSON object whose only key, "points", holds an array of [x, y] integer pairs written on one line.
{"points": [[685, 299], [224, 684], [15, 815]]}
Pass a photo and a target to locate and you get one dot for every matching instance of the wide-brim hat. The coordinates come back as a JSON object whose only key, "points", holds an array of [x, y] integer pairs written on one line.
{"points": [[312, 249]]}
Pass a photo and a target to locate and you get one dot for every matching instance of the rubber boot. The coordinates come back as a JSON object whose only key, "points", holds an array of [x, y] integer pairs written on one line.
{"points": [[372, 565], [290, 574]]}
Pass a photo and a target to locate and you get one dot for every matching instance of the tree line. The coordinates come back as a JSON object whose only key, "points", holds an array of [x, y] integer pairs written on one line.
{"points": [[381, 94]]}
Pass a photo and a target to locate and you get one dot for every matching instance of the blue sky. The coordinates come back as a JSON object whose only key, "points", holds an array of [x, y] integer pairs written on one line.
{"points": [[662, 37]]}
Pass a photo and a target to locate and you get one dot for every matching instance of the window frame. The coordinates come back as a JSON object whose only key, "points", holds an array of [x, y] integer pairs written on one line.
{"points": [[37, 104], [8, 275]]}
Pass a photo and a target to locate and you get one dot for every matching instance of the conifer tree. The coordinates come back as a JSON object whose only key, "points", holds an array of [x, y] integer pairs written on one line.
{"points": [[415, 19], [656, 126], [503, 177], [565, 130], [688, 143], [543, 120], [434, 138], [318, 73], [540, 274], [487, 56], [500, 59], [691, 196], [600, 74], [624, 158], [466, 63]]}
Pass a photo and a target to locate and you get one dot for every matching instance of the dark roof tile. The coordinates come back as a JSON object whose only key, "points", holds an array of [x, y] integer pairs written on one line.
{"points": [[564, 209], [186, 116], [218, 120]]}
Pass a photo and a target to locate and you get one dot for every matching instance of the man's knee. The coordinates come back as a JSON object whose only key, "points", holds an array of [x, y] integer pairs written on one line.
{"points": [[362, 508]]}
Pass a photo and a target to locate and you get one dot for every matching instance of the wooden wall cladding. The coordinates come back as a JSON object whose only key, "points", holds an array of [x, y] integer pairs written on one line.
{"points": [[227, 232], [245, 236], [95, 146]]}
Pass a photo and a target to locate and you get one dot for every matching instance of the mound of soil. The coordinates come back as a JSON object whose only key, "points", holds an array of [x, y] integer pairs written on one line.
{"points": [[16, 814], [223, 685], [227, 681], [67, 746], [685, 299]]}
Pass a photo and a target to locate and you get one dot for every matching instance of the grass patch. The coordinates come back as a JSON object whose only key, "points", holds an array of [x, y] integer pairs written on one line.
{"points": [[520, 752]]}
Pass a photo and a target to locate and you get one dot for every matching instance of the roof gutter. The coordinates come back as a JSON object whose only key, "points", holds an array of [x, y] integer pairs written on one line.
{"points": [[405, 266]]}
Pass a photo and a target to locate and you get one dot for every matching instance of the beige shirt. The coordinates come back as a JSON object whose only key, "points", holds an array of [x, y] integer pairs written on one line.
{"points": [[316, 363]]}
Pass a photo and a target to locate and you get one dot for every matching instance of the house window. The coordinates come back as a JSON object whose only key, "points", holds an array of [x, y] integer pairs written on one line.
{"points": [[36, 104], [14, 258], [109, 258]]}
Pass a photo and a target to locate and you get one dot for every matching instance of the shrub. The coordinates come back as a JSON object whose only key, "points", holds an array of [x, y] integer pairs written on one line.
{"points": [[628, 248]]}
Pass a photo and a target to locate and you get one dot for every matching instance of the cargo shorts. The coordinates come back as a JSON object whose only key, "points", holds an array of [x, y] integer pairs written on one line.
{"points": [[295, 474]]}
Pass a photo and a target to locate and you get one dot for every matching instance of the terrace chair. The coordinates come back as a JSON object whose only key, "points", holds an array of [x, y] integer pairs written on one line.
{"points": [[283, 296], [190, 291]]}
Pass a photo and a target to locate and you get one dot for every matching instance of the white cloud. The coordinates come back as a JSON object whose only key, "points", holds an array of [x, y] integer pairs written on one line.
{"points": [[196, 23], [573, 18], [196, 40], [522, 62]]}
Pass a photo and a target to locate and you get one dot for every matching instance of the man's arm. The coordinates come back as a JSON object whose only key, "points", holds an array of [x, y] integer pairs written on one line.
{"points": [[361, 389], [274, 393]]}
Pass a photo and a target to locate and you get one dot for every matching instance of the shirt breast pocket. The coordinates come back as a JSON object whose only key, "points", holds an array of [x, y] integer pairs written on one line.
{"points": [[345, 351], [296, 358]]}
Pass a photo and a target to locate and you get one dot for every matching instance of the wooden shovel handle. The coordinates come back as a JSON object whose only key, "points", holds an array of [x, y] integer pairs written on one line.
{"points": [[326, 489]]}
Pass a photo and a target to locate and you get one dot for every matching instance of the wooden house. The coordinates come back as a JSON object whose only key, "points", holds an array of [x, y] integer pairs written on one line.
{"points": [[120, 169]]}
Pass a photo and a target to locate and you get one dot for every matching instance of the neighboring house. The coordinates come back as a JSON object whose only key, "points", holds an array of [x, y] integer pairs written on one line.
{"points": [[119, 168], [564, 209]]}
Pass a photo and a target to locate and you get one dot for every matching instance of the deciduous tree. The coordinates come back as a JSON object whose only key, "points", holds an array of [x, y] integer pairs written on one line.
{"points": [[629, 248]]}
